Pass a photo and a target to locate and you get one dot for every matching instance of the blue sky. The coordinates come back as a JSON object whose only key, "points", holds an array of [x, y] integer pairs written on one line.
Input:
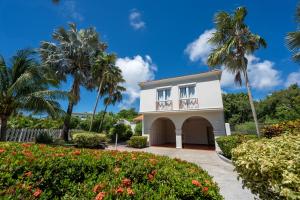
{"points": [[157, 39]]}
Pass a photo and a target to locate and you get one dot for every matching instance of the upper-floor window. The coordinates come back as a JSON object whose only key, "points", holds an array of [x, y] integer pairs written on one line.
{"points": [[187, 92], [164, 94]]}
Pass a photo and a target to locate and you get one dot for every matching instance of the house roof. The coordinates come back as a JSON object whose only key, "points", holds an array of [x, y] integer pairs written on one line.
{"points": [[138, 118], [216, 73]]}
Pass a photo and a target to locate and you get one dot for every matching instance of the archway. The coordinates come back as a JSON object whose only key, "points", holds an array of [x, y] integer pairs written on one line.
{"points": [[163, 132], [197, 131]]}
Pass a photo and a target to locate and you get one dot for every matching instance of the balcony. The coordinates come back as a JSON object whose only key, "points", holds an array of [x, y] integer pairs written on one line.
{"points": [[188, 104], [164, 105]]}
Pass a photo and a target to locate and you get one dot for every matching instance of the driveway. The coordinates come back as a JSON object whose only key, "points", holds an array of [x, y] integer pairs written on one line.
{"points": [[221, 171]]}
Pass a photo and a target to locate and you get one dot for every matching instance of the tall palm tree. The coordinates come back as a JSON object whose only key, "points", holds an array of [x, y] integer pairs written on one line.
{"points": [[233, 40], [73, 55], [293, 38], [23, 86]]}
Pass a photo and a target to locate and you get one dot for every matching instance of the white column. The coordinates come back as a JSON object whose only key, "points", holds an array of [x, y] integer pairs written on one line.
{"points": [[178, 139]]}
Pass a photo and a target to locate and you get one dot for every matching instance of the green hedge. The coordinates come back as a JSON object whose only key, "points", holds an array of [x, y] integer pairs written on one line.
{"points": [[89, 139], [270, 167], [227, 143], [138, 141], [46, 172], [44, 138]]}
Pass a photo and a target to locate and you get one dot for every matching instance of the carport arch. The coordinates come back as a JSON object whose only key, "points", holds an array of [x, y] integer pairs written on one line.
{"points": [[163, 132]]}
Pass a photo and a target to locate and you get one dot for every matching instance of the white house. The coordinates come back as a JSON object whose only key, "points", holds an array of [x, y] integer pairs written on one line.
{"points": [[183, 110]]}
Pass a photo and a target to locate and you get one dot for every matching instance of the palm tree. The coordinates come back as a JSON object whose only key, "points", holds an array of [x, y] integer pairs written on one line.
{"points": [[293, 38], [233, 40], [73, 56], [24, 87]]}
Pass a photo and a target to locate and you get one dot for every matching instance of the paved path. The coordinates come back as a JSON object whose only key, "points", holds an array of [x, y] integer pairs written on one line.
{"points": [[221, 171]]}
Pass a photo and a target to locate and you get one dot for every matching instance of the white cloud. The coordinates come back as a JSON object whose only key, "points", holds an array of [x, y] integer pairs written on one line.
{"points": [[293, 78], [134, 71], [200, 49], [69, 9], [135, 20], [262, 74]]}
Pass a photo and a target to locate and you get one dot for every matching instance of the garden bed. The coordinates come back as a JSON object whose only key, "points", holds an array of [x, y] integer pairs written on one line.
{"points": [[29, 171]]}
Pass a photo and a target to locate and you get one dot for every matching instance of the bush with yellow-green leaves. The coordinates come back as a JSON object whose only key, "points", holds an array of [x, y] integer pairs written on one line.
{"points": [[270, 168]]}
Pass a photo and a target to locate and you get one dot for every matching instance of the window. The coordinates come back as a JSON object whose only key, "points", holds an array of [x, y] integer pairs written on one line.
{"points": [[164, 94], [187, 92]]}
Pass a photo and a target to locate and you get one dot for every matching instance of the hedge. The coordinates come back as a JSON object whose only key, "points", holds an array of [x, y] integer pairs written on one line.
{"points": [[89, 139], [289, 127], [138, 141], [227, 143], [29, 171], [270, 168]]}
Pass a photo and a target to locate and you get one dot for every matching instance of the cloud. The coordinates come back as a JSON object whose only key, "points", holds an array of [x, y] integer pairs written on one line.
{"points": [[135, 20], [200, 49], [70, 10], [262, 73], [134, 71], [293, 78]]}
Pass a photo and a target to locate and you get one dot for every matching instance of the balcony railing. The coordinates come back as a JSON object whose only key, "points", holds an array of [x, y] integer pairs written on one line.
{"points": [[186, 104], [164, 105]]}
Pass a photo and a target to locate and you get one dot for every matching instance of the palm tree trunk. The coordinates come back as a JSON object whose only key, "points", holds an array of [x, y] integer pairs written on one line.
{"points": [[102, 119], [252, 104], [66, 126], [3, 127], [96, 104]]}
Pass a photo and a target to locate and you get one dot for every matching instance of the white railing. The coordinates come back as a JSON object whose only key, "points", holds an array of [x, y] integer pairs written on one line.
{"points": [[164, 105], [28, 135], [185, 104]]}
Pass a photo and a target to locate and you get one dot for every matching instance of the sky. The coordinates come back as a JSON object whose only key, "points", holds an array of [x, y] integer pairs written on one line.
{"points": [[157, 39]]}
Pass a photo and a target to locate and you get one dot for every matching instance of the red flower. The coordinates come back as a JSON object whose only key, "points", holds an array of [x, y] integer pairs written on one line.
{"points": [[97, 188], [196, 183], [120, 190], [28, 174], [126, 182], [37, 193], [205, 189], [26, 145], [154, 172], [130, 191], [77, 152], [14, 153], [2, 150], [150, 177], [100, 196]]}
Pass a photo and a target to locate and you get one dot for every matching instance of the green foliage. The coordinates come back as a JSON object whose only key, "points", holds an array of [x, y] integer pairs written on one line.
{"points": [[128, 114], [40, 171], [44, 138], [289, 127], [124, 132], [270, 168], [29, 122], [245, 128], [89, 139], [228, 143], [138, 129], [138, 142]]}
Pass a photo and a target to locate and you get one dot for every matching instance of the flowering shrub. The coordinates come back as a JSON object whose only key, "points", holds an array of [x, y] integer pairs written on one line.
{"points": [[137, 141], [30, 171], [274, 130], [270, 167]]}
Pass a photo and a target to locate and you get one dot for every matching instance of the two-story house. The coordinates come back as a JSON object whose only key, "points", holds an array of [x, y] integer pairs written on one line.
{"points": [[183, 110]]}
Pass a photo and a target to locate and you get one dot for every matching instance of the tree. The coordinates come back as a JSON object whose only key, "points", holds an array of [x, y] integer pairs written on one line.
{"points": [[73, 54], [233, 40], [23, 86], [293, 38], [128, 114]]}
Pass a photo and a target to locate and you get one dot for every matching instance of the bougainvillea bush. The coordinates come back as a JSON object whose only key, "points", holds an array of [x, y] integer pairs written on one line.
{"points": [[31, 171], [270, 167]]}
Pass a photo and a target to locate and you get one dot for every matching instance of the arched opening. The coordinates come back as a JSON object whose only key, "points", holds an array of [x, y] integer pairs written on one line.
{"points": [[197, 131], [163, 133]]}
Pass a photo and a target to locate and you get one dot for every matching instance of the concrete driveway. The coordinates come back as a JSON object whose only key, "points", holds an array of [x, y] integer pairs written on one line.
{"points": [[221, 171]]}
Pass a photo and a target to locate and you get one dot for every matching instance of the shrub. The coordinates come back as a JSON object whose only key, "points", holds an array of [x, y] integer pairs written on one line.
{"points": [[270, 168], [138, 129], [138, 141], [227, 143], [289, 127], [45, 172], [247, 127], [124, 132], [89, 139], [44, 138]]}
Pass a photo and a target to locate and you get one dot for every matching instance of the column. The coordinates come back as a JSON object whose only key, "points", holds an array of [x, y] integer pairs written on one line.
{"points": [[178, 139]]}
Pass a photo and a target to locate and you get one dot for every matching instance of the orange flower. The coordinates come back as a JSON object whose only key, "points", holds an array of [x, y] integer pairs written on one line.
{"points": [[14, 153], [26, 145], [77, 152], [100, 196], [153, 161], [28, 174], [196, 183], [205, 189], [150, 177], [119, 190], [97, 188], [126, 182], [130, 191], [59, 155], [154, 172], [2, 150], [27, 153], [207, 181], [37, 193]]}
